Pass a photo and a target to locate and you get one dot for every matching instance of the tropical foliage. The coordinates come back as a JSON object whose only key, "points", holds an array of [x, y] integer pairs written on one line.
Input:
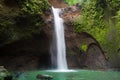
{"points": [[101, 18], [22, 22], [71, 2], [35, 6]]}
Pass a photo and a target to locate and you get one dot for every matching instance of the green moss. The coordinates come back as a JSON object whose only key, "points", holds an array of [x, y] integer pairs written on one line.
{"points": [[84, 47], [3, 73], [73, 2], [101, 19], [35, 6], [21, 23]]}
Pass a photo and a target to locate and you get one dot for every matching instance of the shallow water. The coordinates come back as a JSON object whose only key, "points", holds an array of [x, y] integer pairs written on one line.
{"points": [[73, 75]]}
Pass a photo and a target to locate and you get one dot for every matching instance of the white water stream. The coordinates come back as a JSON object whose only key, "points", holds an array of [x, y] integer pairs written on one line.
{"points": [[59, 42]]}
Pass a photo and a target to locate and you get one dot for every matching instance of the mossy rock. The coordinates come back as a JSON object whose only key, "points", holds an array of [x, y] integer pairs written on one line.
{"points": [[3, 73]]}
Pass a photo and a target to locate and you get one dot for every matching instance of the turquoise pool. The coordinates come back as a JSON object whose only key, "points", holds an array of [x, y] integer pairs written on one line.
{"points": [[72, 75]]}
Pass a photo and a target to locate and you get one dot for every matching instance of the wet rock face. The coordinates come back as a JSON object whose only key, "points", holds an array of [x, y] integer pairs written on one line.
{"points": [[68, 14], [71, 13]]}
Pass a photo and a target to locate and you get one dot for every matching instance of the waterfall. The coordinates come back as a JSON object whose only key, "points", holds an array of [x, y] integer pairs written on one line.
{"points": [[58, 49]]}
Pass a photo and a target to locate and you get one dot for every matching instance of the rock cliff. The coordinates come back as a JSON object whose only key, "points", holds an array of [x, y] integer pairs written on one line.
{"points": [[33, 53]]}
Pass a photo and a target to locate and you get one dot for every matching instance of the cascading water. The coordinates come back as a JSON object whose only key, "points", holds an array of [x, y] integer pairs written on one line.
{"points": [[58, 50]]}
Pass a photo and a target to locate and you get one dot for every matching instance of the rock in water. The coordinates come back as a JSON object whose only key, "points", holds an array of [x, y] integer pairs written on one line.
{"points": [[4, 74], [44, 77]]}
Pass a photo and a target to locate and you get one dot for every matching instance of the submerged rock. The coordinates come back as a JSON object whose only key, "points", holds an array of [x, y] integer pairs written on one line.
{"points": [[19, 76], [44, 77]]}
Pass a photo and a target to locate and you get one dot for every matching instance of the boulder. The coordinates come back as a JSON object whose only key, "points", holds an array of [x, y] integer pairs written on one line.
{"points": [[95, 58], [4, 74], [44, 77]]}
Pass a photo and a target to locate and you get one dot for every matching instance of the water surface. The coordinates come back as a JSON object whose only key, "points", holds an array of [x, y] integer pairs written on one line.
{"points": [[73, 75]]}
